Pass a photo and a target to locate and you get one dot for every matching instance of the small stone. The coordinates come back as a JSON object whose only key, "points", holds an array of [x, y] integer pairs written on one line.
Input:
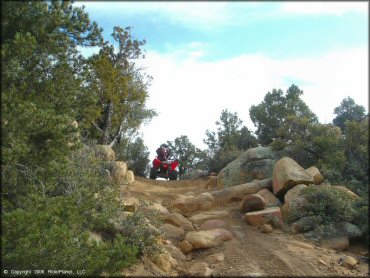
{"points": [[200, 269], [322, 262], [266, 228], [338, 243], [185, 246], [215, 258], [349, 262]]}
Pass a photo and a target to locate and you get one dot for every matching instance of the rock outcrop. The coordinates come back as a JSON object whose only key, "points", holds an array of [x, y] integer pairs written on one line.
{"points": [[286, 174], [255, 163], [178, 220], [189, 204], [236, 193], [118, 171]]}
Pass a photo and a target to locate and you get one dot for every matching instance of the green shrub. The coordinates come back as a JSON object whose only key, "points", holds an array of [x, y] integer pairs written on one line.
{"points": [[332, 207], [222, 158], [330, 203], [142, 235], [53, 230], [54, 234], [361, 217]]}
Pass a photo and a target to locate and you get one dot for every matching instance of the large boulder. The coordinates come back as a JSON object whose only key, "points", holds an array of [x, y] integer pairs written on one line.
{"points": [[105, 153], [208, 215], [255, 163], [252, 202], [189, 204], [315, 173], [270, 199], [130, 177], [213, 224], [172, 232], [175, 252], [294, 199], [178, 220], [236, 193], [185, 246], [267, 216], [286, 174], [207, 239], [118, 170]]}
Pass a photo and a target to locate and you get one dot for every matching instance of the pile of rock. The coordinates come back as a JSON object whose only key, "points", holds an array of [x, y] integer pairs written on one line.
{"points": [[114, 170]]}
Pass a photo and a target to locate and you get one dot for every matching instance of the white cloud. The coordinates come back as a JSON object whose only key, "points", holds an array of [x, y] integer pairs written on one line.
{"points": [[330, 8], [208, 16], [190, 94]]}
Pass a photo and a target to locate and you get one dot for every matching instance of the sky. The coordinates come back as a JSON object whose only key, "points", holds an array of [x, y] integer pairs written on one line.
{"points": [[208, 56]]}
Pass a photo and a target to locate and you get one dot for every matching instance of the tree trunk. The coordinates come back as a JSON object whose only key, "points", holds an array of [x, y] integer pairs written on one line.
{"points": [[118, 134], [107, 123]]}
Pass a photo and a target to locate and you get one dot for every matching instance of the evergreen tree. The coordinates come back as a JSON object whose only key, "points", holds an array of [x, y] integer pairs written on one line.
{"points": [[348, 110], [270, 115], [120, 88]]}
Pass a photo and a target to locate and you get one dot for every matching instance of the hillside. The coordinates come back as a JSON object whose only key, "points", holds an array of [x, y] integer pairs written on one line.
{"points": [[250, 252]]}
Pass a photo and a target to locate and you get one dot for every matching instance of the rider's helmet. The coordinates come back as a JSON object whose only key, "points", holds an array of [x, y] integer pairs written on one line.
{"points": [[164, 146], [165, 149]]}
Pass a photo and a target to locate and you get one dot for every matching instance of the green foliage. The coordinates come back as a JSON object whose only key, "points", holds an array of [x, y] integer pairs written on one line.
{"points": [[40, 81], [222, 158], [53, 193], [136, 155], [331, 204], [229, 141], [270, 115], [356, 149], [54, 235], [140, 234], [348, 110], [55, 232], [230, 134], [120, 90], [361, 218]]}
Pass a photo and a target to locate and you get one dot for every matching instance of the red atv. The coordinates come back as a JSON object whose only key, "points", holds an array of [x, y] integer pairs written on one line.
{"points": [[167, 169]]}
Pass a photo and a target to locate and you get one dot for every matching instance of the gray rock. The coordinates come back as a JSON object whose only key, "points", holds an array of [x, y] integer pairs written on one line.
{"points": [[305, 224], [330, 231], [255, 163], [348, 229]]}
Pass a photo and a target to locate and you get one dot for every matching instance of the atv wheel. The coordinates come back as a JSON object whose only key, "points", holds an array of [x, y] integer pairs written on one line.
{"points": [[153, 173], [173, 175]]}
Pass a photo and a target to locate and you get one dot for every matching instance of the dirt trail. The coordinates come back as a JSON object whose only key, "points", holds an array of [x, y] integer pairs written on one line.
{"points": [[252, 253]]}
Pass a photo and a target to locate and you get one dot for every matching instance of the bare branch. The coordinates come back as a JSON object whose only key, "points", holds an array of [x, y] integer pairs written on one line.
{"points": [[97, 127]]}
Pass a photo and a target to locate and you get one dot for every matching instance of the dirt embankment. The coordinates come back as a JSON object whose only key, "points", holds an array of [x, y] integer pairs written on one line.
{"points": [[251, 252]]}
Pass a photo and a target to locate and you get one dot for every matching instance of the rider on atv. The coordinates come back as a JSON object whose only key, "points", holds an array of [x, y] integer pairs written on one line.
{"points": [[163, 166], [163, 152]]}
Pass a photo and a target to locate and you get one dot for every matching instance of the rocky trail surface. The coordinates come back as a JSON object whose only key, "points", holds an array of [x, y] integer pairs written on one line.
{"points": [[250, 252]]}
